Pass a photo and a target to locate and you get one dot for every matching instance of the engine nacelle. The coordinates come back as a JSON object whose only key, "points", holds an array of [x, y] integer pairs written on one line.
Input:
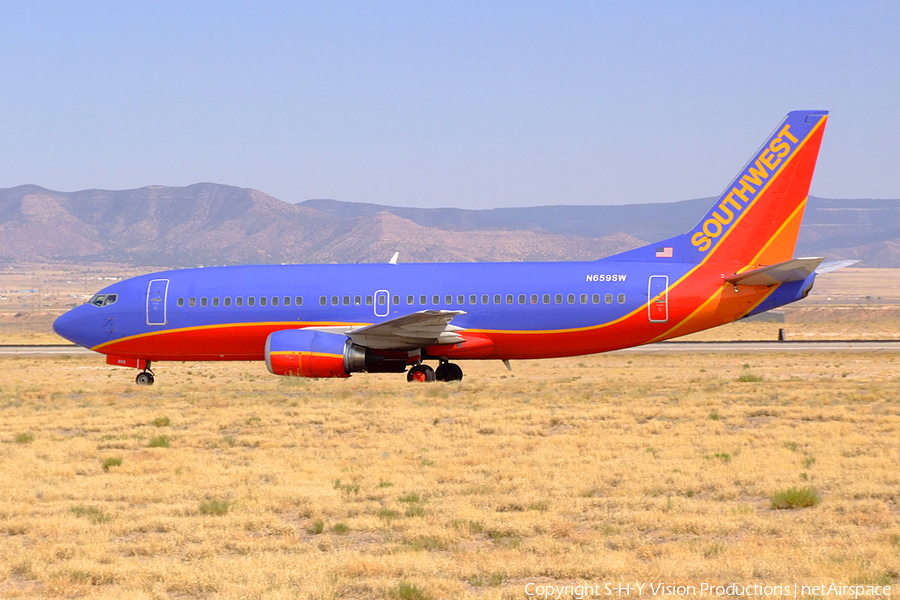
{"points": [[305, 353]]}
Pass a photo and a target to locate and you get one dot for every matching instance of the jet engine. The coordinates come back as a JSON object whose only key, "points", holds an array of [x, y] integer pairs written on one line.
{"points": [[304, 353]]}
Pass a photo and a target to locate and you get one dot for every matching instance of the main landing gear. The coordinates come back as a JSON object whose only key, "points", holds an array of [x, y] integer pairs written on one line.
{"points": [[446, 371], [145, 377]]}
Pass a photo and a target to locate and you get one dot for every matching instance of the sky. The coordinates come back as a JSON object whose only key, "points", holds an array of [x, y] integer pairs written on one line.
{"points": [[444, 104]]}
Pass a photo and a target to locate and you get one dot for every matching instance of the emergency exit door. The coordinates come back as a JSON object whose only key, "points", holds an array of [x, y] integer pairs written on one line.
{"points": [[658, 294], [156, 301]]}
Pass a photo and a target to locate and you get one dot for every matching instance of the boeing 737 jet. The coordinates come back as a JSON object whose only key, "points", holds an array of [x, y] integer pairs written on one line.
{"points": [[333, 320]]}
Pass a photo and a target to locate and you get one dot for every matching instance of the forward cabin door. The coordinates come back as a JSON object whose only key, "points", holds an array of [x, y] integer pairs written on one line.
{"points": [[156, 301], [658, 295]]}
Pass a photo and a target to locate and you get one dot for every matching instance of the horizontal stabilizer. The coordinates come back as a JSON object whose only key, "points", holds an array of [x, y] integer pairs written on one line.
{"points": [[797, 269], [834, 265]]}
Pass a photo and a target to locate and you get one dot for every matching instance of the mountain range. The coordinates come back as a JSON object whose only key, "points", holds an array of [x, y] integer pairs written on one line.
{"points": [[214, 224]]}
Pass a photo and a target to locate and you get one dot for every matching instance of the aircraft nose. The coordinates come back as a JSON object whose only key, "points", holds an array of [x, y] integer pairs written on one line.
{"points": [[73, 325]]}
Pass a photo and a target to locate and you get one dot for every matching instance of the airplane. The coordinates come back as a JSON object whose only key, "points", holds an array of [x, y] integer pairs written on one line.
{"points": [[334, 320]]}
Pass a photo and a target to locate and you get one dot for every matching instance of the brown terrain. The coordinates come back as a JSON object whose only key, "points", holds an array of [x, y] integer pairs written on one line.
{"points": [[213, 224]]}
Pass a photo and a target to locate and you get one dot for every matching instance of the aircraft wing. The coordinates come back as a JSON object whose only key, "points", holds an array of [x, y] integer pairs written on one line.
{"points": [[797, 269], [416, 330]]}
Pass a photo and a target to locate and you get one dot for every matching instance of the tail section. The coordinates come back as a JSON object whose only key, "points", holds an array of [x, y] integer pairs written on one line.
{"points": [[756, 220]]}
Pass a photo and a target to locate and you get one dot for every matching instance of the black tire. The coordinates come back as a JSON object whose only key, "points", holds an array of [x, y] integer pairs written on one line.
{"points": [[448, 372], [144, 378], [422, 373], [455, 372]]}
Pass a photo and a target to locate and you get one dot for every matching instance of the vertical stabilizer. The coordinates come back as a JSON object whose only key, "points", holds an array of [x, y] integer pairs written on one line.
{"points": [[756, 219]]}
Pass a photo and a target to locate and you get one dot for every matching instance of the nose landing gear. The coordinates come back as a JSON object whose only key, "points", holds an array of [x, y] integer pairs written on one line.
{"points": [[145, 377]]}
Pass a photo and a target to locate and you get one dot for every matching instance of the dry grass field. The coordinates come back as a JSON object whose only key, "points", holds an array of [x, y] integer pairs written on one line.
{"points": [[222, 481]]}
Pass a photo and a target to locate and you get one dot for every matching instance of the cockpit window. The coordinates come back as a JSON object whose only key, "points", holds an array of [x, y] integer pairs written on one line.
{"points": [[103, 299]]}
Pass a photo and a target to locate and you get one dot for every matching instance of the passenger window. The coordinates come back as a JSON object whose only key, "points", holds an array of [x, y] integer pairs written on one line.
{"points": [[227, 301], [298, 301], [570, 298], [215, 301], [357, 300], [497, 299], [473, 299], [558, 298], [395, 300], [521, 298], [448, 299], [238, 301], [509, 299], [274, 300], [485, 299], [460, 299], [262, 301], [287, 300], [534, 298], [410, 299], [346, 301], [621, 299], [181, 302], [595, 298], [251, 300], [546, 298], [368, 300], [323, 300], [334, 300], [583, 299], [423, 299], [608, 298], [192, 302], [203, 301], [382, 300], [435, 299]]}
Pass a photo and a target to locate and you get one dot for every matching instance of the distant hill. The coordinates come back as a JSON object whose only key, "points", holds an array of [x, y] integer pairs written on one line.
{"points": [[216, 224]]}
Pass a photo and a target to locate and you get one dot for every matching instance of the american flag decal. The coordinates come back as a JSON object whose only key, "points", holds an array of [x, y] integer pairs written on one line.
{"points": [[664, 252]]}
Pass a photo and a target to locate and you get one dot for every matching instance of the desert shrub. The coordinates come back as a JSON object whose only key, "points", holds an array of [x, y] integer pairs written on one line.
{"points": [[214, 506], [160, 441], [112, 462], [408, 591], [749, 378], [316, 528], [161, 422], [795, 498], [94, 515]]}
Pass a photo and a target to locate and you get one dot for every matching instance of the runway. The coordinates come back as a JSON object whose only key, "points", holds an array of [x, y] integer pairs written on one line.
{"points": [[738, 347], [733, 347]]}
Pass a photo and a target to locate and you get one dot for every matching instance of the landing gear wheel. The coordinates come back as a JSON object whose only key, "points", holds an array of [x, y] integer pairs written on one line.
{"points": [[144, 378], [448, 372], [420, 373]]}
